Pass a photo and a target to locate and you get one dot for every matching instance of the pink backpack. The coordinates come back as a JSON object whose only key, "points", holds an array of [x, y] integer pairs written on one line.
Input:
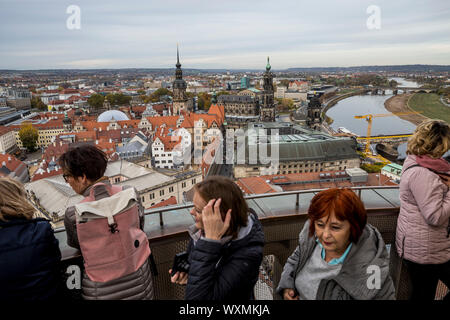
{"points": [[111, 241]]}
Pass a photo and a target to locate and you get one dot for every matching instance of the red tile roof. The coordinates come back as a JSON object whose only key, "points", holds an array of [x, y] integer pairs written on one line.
{"points": [[168, 141], [254, 185], [5, 130], [46, 174], [11, 162], [171, 201], [68, 91]]}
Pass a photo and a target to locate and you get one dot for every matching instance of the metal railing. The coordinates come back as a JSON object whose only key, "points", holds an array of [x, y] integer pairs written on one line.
{"points": [[357, 190]]}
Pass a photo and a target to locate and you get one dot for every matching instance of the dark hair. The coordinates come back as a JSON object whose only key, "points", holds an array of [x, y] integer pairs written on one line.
{"points": [[86, 159], [216, 187], [345, 205]]}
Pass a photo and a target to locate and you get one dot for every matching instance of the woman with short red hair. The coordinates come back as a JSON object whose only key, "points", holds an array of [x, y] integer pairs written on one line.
{"points": [[340, 256]]}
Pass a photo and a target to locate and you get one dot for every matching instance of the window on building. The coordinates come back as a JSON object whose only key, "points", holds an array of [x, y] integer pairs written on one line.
{"points": [[161, 192], [152, 196], [183, 185], [170, 189], [193, 181]]}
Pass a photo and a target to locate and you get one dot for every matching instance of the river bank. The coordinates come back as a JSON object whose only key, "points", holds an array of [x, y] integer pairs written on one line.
{"points": [[399, 103]]}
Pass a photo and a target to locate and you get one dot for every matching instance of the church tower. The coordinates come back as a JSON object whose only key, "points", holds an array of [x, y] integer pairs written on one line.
{"points": [[267, 109], [180, 98], [314, 116], [67, 123]]}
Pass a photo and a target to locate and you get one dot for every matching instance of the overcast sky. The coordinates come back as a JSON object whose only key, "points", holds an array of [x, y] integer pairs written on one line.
{"points": [[222, 34]]}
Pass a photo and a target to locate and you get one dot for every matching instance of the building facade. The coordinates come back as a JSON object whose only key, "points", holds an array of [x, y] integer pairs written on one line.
{"points": [[294, 150]]}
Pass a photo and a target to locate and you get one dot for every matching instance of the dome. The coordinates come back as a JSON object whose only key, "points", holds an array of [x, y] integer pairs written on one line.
{"points": [[110, 115]]}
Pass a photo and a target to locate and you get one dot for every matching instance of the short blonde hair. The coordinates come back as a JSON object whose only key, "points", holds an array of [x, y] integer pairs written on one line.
{"points": [[431, 137], [13, 201]]}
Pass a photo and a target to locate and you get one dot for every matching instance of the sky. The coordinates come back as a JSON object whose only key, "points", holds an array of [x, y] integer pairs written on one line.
{"points": [[225, 34]]}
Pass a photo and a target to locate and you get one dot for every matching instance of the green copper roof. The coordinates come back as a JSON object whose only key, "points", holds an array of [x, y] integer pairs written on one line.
{"points": [[268, 65]]}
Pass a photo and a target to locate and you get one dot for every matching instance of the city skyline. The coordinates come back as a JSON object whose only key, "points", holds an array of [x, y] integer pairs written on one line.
{"points": [[216, 35]]}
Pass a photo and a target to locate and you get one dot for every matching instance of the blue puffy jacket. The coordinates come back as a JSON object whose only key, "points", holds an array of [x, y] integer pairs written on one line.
{"points": [[29, 260]]}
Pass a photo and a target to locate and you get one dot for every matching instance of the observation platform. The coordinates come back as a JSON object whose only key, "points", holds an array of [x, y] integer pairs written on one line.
{"points": [[282, 216]]}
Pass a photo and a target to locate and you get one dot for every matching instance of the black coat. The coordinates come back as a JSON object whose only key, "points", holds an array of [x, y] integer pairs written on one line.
{"points": [[29, 260], [225, 271]]}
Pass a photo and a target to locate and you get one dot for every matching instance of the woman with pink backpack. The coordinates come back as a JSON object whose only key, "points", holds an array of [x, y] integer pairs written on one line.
{"points": [[107, 227], [423, 226]]}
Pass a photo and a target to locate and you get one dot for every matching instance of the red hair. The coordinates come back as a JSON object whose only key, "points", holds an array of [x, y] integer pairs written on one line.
{"points": [[345, 205]]}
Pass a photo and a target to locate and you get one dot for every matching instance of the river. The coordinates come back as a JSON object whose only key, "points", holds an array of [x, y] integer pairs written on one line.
{"points": [[405, 83], [344, 111]]}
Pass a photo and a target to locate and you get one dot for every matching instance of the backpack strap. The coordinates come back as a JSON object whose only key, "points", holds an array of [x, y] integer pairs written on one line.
{"points": [[414, 165], [442, 175]]}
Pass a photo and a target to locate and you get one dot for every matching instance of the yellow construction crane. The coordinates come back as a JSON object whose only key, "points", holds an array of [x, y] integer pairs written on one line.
{"points": [[369, 118]]}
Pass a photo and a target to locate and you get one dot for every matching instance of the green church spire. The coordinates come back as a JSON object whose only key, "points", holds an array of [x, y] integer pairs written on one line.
{"points": [[268, 67]]}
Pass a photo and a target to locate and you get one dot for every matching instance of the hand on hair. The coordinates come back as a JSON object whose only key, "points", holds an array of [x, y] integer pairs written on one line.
{"points": [[213, 224]]}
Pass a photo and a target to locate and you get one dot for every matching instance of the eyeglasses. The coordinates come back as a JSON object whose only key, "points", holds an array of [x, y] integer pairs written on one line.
{"points": [[65, 176]]}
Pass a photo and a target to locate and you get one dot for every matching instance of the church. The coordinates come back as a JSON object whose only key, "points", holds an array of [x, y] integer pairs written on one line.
{"points": [[242, 109]]}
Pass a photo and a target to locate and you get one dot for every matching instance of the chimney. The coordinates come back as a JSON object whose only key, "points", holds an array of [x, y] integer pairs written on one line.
{"points": [[110, 140], [60, 143], [48, 170], [4, 164], [9, 159], [96, 141]]}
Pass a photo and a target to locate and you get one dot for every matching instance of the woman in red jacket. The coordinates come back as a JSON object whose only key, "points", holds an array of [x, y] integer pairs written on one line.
{"points": [[423, 226]]}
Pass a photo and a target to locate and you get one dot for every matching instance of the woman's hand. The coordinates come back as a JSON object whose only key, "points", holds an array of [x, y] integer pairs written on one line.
{"points": [[289, 294], [213, 225], [179, 277]]}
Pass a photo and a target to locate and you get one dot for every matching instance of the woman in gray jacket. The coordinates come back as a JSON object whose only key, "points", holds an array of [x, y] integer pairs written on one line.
{"points": [[339, 256]]}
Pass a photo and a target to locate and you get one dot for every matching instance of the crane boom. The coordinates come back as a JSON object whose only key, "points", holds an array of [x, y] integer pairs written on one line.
{"points": [[369, 118]]}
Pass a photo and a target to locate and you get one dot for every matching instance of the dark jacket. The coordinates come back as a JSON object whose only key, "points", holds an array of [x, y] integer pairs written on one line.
{"points": [[29, 260], [352, 281], [226, 271], [135, 286]]}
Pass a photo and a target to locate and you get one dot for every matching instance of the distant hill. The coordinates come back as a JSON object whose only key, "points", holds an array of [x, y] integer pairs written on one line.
{"points": [[191, 71], [400, 68]]}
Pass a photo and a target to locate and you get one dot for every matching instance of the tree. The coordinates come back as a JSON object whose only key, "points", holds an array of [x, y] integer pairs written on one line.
{"points": [[29, 136], [204, 101], [393, 83], [96, 101], [285, 82], [36, 103]]}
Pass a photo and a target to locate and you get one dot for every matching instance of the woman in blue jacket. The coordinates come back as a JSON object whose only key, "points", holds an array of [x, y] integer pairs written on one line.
{"points": [[29, 252], [226, 248]]}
